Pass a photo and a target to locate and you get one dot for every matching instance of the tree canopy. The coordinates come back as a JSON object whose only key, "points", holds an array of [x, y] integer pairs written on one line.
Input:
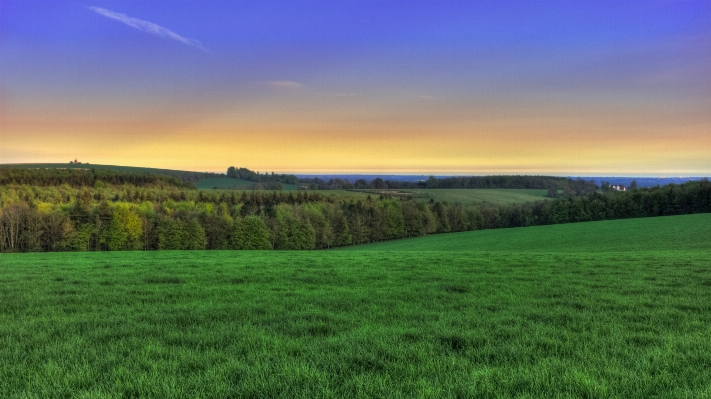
{"points": [[156, 217]]}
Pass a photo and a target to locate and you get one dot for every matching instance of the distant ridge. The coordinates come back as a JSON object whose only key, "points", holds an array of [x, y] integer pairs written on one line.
{"points": [[369, 177], [184, 175], [625, 180], [642, 182]]}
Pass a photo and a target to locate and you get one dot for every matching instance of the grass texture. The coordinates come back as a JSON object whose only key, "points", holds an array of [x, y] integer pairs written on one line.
{"points": [[400, 324]]}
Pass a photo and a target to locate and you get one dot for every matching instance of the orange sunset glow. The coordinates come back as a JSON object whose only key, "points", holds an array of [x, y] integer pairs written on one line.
{"points": [[447, 95]]}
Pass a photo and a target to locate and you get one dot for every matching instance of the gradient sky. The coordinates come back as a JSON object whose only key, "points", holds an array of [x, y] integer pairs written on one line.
{"points": [[566, 87]]}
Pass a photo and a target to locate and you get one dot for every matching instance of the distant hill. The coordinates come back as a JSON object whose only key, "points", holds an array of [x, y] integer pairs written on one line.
{"points": [[353, 177], [184, 175], [642, 182], [81, 177], [202, 180]]}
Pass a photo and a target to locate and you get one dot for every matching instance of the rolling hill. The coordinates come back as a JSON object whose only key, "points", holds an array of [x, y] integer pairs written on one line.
{"points": [[684, 232], [538, 312], [188, 176]]}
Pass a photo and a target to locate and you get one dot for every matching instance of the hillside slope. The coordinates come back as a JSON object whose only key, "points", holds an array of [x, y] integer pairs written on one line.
{"points": [[185, 175], [685, 232]]}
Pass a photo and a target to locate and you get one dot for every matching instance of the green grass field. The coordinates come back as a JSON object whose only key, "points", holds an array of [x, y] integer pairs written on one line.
{"points": [[490, 195], [490, 322], [667, 233]]}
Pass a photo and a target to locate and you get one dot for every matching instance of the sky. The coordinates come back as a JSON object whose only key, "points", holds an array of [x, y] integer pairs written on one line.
{"points": [[408, 87]]}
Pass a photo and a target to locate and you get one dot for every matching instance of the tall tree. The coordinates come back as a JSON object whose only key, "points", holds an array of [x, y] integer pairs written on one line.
{"points": [[256, 234]]}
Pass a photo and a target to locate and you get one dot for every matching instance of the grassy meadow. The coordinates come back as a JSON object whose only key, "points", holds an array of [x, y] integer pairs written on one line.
{"points": [[496, 196], [489, 320], [666, 233]]}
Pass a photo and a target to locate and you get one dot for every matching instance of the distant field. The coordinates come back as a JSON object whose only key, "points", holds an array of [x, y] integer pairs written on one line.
{"points": [[499, 321], [223, 183], [493, 196], [685, 232]]}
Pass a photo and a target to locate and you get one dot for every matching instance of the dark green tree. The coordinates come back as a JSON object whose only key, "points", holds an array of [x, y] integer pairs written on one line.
{"points": [[255, 233], [170, 233]]}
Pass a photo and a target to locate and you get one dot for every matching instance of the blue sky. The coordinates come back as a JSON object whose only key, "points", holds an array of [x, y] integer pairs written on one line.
{"points": [[451, 87]]}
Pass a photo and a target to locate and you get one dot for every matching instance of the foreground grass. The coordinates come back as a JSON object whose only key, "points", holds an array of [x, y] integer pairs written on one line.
{"points": [[356, 324], [684, 232]]}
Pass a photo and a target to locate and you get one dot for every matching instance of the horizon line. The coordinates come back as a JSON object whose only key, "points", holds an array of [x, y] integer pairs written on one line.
{"points": [[306, 172]]}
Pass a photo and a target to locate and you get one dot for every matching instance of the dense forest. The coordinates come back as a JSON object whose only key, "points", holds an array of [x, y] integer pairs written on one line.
{"points": [[99, 217], [83, 174], [570, 187]]}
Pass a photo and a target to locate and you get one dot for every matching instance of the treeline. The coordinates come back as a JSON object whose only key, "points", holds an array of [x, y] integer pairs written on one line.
{"points": [[44, 177], [686, 198], [293, 221], [246, 174], [187, 176], [570, 187], [127, 193], [183, 175]]}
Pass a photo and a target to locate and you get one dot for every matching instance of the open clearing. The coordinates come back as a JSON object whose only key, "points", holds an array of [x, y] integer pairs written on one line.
{"points": [[486, 323]]}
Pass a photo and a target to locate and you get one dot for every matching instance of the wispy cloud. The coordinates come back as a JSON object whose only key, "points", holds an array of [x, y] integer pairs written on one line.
{"points": [[148, 27], [284, 84], [337, 94]]}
